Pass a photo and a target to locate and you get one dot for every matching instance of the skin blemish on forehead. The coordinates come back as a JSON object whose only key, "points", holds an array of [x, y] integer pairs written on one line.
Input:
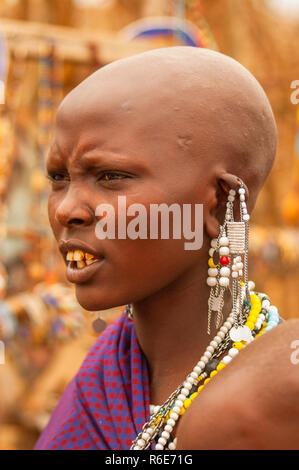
{"points": [[126, 106], [184, 141]]}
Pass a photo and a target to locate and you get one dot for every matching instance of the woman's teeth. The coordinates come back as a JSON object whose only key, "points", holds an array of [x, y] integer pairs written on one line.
{"points": [[82, 259]]}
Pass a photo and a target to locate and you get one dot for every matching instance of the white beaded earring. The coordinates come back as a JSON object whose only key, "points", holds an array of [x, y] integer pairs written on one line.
{"points": [[225, 262], [219, 271], [238, 233]]}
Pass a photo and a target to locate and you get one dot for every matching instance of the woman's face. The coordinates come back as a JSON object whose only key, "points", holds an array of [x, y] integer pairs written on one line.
{"points": [[104, 148]]}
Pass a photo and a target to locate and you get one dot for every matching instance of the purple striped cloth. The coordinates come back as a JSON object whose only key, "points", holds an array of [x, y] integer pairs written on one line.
{"points": [[107, 402]]}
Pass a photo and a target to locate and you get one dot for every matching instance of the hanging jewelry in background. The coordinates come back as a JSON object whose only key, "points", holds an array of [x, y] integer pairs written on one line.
{"points": [[99, 324]]}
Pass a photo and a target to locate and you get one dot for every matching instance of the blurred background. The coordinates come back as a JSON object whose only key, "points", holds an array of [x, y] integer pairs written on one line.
{"points": [[46, 48]]}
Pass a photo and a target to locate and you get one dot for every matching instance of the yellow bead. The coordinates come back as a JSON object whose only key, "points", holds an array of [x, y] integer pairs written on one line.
{"points": [[255, 312], [254, 297], [158, 420], [187, 403], [213, 373], [254, 308], [194, 395], [207, 380], [250, 324], [255, 302], [238, 345], [200, 388], [211, 263], [182, 411], [199, 378], [220, 366]]}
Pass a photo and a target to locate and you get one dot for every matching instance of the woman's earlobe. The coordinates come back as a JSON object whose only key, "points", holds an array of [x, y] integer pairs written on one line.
{"points": [[212, 226], [212, 212]]}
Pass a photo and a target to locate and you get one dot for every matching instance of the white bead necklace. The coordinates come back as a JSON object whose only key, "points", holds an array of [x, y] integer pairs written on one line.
{"points": [[218, 345], [147, 433]]}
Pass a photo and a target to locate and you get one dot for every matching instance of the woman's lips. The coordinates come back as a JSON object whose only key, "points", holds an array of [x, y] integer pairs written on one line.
{"points": [[81, 275]]}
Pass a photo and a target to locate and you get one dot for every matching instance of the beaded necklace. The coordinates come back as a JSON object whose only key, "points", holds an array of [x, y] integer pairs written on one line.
{"points": [[261, 317]]}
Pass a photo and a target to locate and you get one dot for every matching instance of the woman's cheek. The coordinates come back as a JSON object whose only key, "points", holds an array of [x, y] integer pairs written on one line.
{"points": [[52, 204]]}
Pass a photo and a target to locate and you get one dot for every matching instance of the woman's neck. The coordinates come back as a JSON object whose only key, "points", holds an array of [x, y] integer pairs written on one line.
{"points": [[171, 328]]}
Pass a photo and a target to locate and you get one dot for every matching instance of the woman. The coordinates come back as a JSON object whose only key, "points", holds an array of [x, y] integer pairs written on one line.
{"points": [[171, 126]]}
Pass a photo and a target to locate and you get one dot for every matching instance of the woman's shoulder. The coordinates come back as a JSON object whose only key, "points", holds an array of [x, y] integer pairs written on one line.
{"points": [[252, 397]]}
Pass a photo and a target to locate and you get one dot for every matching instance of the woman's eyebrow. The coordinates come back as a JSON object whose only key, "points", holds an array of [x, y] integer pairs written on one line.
{"points": [[54, 159], [97, 158]]}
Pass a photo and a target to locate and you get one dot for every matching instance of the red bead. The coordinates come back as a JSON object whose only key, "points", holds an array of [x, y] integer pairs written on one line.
{"points": [[224, 260]]}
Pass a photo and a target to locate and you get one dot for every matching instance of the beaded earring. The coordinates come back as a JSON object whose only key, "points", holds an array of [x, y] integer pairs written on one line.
{"points": [[226, 265]]}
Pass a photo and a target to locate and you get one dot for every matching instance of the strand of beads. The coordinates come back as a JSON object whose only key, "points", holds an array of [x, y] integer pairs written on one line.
{"points": [[218, 275], [245, 214], [215, 366], [144, 438], [261, 318], [224, 261], [212, 271]]}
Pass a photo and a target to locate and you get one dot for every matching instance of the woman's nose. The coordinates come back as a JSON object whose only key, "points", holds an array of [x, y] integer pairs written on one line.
{"points": [[73, 210]]}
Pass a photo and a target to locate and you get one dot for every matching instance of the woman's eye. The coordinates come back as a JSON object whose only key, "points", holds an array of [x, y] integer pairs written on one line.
{"points": [[57, 177], [109, 176], [106, 176]]}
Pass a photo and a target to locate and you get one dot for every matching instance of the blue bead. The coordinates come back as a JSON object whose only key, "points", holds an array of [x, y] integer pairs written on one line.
{"points": [[274, 315]]}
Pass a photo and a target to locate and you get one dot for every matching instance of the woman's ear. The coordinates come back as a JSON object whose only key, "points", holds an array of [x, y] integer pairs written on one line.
{"points": [[212, 213], [212, 226], [228, 181], [215, 208]]}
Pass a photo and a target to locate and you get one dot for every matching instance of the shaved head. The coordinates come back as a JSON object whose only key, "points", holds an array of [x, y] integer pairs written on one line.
{"points": [[207, 106]]}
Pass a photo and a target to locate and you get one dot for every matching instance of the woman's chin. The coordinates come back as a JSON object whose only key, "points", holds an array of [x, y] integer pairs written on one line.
{"points": [[91, 301]]}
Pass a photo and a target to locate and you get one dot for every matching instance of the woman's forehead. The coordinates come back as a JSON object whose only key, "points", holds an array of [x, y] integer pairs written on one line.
{"points": [[168, 104], [152, 123]]}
